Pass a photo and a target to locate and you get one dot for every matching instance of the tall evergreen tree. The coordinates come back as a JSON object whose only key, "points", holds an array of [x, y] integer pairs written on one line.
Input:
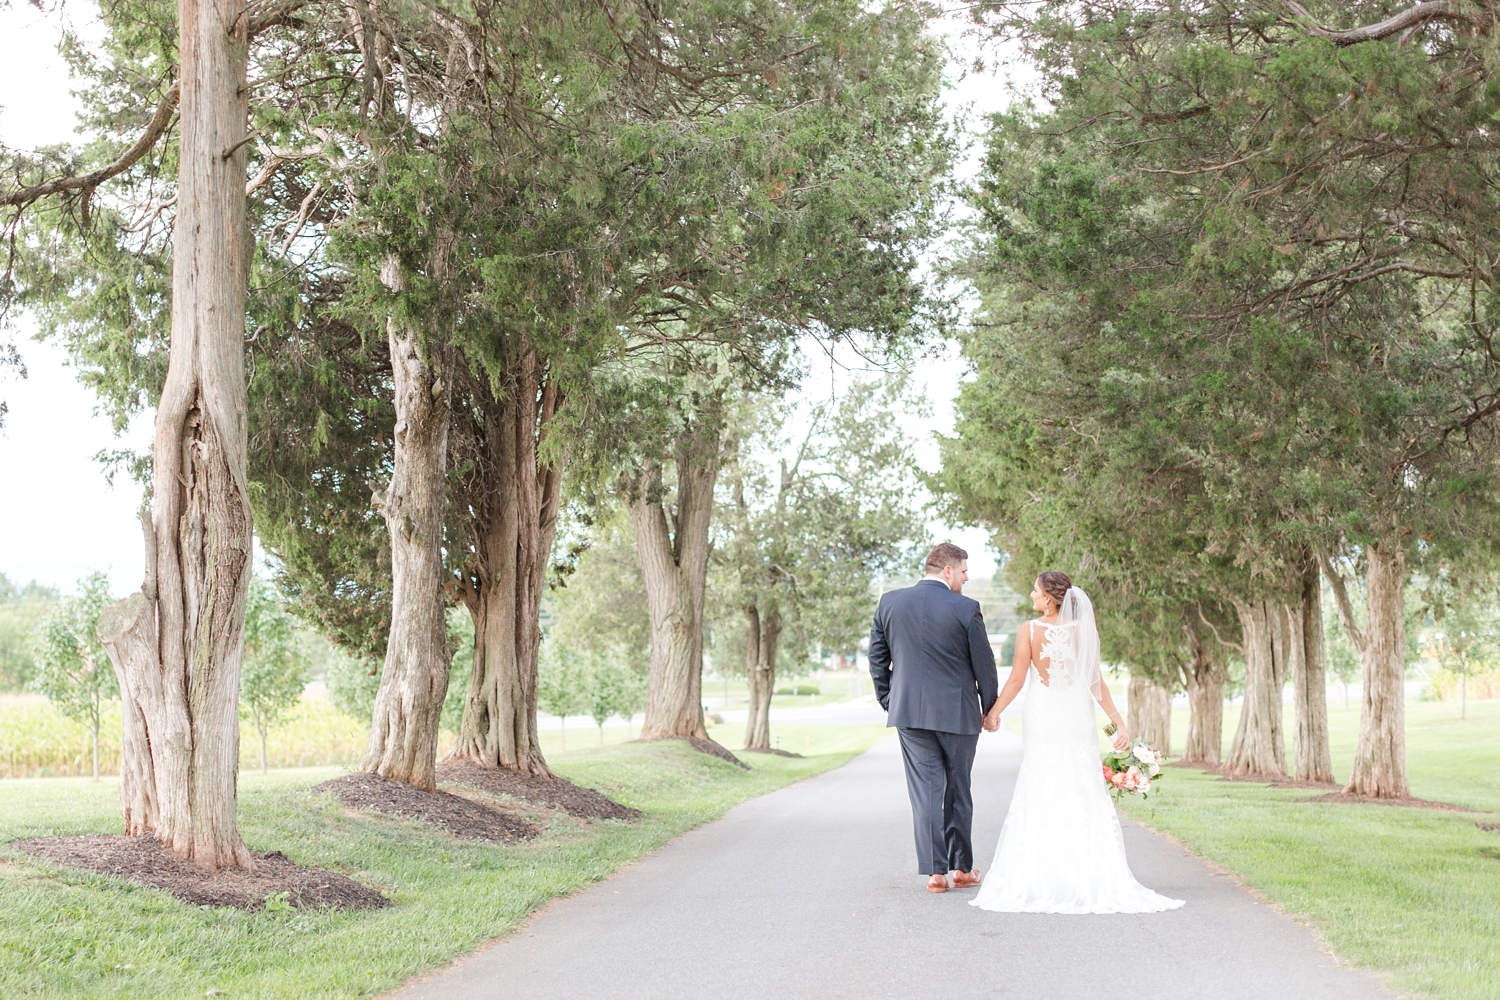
{"points": [[1226, 262]]}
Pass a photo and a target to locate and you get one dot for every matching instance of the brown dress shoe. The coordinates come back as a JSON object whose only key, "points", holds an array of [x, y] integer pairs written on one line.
{"points": [[938, 883], [966, 880]]}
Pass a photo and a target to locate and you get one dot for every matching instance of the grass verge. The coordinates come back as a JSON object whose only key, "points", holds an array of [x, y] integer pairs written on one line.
{"points": [[71, 934], [1409, 892]]}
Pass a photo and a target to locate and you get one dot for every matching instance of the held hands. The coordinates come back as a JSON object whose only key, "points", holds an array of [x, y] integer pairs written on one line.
{"points": [[991, 720]]}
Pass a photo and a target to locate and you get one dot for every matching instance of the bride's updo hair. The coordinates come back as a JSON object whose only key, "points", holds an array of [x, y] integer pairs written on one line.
{"points": [[1055, 585]]}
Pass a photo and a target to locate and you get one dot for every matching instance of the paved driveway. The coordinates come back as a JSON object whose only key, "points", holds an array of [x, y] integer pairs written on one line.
{"points": [[811, 892]]}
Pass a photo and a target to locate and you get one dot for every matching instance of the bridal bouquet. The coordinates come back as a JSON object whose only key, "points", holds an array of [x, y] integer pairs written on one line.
{"points": [[1132, 770]]}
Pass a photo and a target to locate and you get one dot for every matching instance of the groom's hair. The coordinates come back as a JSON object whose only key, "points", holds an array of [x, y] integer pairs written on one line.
{"points": [[943, 554]]}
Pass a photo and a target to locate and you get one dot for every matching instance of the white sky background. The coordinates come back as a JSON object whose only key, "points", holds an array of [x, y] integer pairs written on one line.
{"points": [[60, 518]]}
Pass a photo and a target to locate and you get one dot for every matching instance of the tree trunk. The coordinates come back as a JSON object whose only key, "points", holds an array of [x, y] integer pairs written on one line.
{"points": [[1380, 762], [409, 703], [1150, 708], [1314, 758], [128, 631], [752, 673], [762, 671], [96, 747], [176, 644], [264, 768], [1259, 747], [1281, 646], [513, 521], [1205, 685], [674, 567]]}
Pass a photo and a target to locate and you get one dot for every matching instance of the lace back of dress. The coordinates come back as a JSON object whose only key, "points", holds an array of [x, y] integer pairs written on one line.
{"points": [[1060, 650], [1082, 640]]}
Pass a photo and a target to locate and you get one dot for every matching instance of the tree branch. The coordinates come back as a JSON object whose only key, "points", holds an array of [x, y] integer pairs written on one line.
{"points": [[294, 228], [1410, 19], [1222, 641], [269, 16], [1216, 168], [1341, 598], [274, 163], [87, 182]]}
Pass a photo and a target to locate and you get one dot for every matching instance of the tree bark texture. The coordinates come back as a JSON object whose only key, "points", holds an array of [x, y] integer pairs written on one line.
{"points": [[1380, 761], [1259, 746], [1205, 688], [510, 509], [176, 645], [414, 680], [674, 566], [1150, 708], [763, 633], [1314, 758]]}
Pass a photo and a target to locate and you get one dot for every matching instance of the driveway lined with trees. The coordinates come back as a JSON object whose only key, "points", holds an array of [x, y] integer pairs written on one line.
{"points": [[810, 892]]}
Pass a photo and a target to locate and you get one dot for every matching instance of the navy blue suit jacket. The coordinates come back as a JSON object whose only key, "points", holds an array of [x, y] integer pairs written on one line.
{"points": [[931, 660]]}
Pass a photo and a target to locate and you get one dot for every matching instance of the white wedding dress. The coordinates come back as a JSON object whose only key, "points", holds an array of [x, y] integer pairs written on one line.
{"points": [[1061, 850]]}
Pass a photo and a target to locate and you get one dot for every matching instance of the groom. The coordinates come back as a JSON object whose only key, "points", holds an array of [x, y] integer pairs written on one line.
{"points": [[935, 675]]}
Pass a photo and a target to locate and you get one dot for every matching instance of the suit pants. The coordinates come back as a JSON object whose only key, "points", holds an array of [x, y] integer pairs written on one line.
{"points": [[938, 768]]}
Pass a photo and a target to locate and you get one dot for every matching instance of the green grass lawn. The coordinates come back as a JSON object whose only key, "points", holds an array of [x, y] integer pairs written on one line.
{"points": [[1413, 893], [71, 934], [833, 687], [797, 739]]}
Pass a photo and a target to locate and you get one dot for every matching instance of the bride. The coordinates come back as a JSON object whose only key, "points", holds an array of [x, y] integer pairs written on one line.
{"points": [[1061, 850]]}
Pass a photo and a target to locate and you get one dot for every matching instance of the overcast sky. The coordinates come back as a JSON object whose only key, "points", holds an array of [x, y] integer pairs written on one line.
{"points": [[59, 516]]}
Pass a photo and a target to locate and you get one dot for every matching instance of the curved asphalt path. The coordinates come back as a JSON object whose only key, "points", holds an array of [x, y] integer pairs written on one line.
{"points": [[811, 893]]}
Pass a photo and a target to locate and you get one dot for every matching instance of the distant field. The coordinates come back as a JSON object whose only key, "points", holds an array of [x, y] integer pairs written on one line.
{"points": [[37, 741]]}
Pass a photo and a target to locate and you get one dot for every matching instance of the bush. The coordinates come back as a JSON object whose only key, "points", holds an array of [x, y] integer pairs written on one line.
{"points": [[273, 671], [1445, 685], [352, 683], [21, 611], [73, 668]]}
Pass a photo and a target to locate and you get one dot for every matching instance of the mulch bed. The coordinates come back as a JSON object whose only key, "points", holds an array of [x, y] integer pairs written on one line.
{"points": [[702, 746], [1489, 827], [1285, 781], [773, 750], [1370, 800], [143, 861], [556, 793], [459, 816], [1278, 782], [1336, 794]]}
